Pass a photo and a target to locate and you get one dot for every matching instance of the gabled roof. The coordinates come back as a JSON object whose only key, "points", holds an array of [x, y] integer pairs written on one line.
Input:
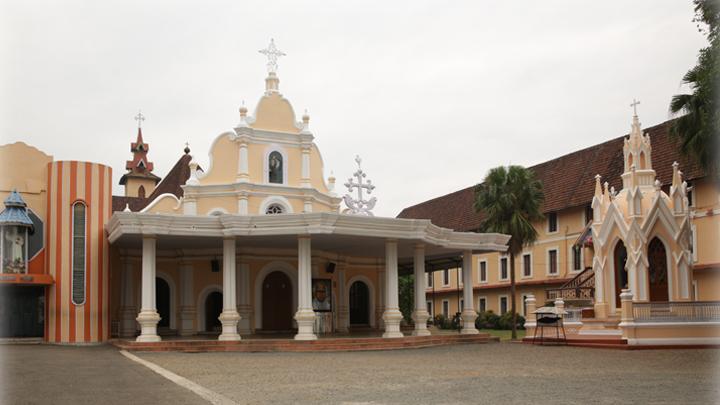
{"points": [[568, 181], [172, 184]]}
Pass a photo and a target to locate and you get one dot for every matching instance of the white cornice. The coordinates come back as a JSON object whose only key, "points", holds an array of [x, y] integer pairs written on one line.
{"points": [[263, 190], [128, 223]]}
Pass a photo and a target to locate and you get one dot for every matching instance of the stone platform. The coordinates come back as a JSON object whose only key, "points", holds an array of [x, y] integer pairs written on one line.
{"points": [[331, 344]]}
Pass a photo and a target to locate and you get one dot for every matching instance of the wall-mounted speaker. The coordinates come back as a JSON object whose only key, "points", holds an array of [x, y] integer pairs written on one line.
{"points": [[215, 265], [330, 268]]}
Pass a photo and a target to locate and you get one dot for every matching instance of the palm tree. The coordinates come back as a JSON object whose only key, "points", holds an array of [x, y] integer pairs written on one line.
{"points": [[698, 124], [510, 200]]}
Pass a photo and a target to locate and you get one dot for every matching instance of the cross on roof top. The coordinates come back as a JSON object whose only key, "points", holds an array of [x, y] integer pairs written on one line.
{"points": [[634, 106], [272, 54], [139, 118]]}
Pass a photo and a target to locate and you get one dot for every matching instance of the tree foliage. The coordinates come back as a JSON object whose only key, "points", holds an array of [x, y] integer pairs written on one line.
{"points": [[510, 199], [406, 294], [698, 123]]}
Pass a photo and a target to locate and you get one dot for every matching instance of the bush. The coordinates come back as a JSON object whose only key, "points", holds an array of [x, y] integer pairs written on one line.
{"points": [[442, 322], [490, 320], [487, 320]]}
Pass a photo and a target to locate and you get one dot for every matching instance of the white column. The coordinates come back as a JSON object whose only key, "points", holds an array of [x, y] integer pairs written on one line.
{"points": [[420, 315], [468, 313], [305, 316], [305, 173], [229, 316], [242, 200], [343, 310], [243, 299], [392, 315], [148, 317], [128, 309], [188, 310], [243, 172]]}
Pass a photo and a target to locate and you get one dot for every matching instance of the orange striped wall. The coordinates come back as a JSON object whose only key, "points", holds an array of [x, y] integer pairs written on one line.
{"points": [[69, 182]]}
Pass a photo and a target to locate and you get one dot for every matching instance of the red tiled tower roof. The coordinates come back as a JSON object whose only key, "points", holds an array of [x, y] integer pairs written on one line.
{"points": [[139, 167]]}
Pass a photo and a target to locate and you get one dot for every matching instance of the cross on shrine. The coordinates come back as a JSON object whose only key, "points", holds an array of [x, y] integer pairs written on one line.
{"points": [[359, 205], [140, 118], [634, 106], [272, 54]]}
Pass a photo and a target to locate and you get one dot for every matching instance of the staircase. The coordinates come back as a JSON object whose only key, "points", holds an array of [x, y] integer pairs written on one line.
{"points": [[580, 291]]}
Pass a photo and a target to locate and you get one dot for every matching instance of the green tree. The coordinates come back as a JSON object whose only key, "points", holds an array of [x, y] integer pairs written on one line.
{"points": [[698, 123], [509, 199], [406, 294]]}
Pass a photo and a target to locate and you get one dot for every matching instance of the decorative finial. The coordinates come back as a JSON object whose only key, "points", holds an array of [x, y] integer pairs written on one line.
{"points": [[359, 206], [272, 54], [187, 148], [634, 106], [139, 118], [127, 208]]}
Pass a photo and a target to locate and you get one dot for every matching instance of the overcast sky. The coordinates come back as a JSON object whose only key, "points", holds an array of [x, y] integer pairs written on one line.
{"points": [[430, 94]]}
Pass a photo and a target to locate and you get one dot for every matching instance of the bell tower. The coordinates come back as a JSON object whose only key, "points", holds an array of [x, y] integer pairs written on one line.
{"points": [[139, 181]]}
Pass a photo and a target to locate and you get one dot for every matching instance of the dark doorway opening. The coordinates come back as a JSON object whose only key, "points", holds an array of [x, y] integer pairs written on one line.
{"points": [[277, 302], [213, 309], [162, 301], [658, 271], [359, 304], [621, 276], [22, 311]]}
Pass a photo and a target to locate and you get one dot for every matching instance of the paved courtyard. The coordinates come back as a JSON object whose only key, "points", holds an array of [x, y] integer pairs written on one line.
{"points": [[487, 373]]}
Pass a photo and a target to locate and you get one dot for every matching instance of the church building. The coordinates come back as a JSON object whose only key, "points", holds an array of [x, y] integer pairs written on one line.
{"points": [[256, 242]]}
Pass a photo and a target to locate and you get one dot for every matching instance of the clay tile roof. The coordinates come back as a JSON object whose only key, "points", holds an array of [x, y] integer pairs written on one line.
{"points": [[562, 190], [172, 184]]}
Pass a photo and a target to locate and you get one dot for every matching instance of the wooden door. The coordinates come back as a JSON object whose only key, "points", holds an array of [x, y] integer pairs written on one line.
{"points": [[277, 302], [359, 304], [658, 271]]}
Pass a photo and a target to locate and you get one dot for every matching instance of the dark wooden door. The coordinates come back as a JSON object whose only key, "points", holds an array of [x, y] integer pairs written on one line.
{"points": [[213, 308], [162, 302], [277, 302], [658, 271], [621, 276], [359, 304]]}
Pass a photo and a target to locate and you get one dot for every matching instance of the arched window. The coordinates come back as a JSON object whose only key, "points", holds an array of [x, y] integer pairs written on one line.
{"points": [[141, 192], [78, 253], [273, 209], [275, 168]]}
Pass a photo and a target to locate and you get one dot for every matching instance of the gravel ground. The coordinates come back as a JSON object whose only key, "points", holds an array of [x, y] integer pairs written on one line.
{"points": [[485, 373]]}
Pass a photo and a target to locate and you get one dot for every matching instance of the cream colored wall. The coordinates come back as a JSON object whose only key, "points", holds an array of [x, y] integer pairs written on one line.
{"points": [[707, 222], [274, 113], [492, 297], [708, 284], [133, 185], [224, 162], [24, 168]]}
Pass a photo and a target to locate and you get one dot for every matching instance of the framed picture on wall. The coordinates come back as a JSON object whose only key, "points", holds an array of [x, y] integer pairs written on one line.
{"points": [[321, 295]]}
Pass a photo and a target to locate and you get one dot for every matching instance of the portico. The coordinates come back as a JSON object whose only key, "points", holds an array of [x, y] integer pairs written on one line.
{"points": [[371, 247]]}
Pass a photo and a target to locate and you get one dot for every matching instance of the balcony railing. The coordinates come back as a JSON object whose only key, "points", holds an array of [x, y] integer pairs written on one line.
{"points": [[697, 311]]}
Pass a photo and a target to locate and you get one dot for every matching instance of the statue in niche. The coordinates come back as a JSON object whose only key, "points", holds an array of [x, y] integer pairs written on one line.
{"points": [[275, 168]]}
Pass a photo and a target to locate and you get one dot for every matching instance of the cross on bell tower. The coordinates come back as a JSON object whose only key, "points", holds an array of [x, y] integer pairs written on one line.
{"points": [[272, 54]]}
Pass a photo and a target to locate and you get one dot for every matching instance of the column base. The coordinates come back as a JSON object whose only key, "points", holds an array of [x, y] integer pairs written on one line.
{"points": [[469, 323], [187, 317], [420, 317], [379, 317], [392, 318], [148, 320], [229, 320], [305, 319], [128, 324]]}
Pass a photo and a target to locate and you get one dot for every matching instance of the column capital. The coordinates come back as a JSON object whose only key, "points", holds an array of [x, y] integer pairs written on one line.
{"points": [[149, 236], [419, 246], [304, 236]]}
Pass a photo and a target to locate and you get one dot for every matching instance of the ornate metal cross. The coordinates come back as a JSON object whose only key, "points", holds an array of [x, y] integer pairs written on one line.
{"points": [[634, 106], [139, 118], [272, 54], [359, 206]]}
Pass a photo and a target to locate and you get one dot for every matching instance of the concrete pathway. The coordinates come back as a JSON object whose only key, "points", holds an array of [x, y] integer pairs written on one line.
{"points": [[45, 374]]}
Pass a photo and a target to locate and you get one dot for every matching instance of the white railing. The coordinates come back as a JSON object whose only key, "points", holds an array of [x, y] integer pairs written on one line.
{"points": [[573, 315], [698, 311]]}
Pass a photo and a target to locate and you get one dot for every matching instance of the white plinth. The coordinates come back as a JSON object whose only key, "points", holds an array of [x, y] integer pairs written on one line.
{"points": [[420, 317], [305, 319], [469, 323], [148, 321], [392, 318], [229, 320]]}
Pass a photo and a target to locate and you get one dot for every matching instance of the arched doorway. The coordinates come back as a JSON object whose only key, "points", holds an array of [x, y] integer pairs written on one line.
{"points": [[213, 308], [162, 301], [359, 298], [621, 276], [658, 271], [277, 302]]}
